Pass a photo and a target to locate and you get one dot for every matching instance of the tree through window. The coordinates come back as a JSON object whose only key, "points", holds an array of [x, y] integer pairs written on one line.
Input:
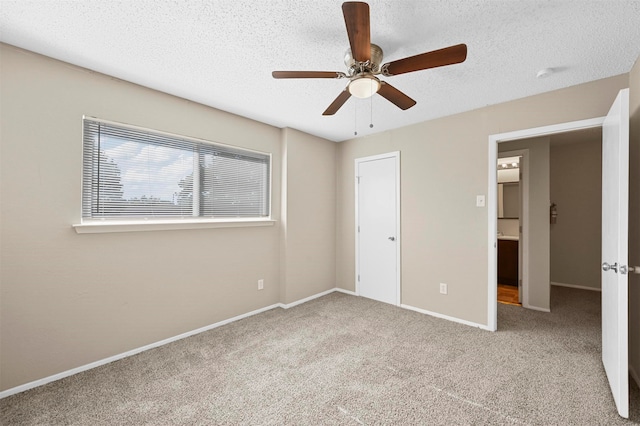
{"points": [[137, 173]]}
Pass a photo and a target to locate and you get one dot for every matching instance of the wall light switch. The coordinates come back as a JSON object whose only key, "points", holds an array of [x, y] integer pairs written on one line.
{"points": [[479, 200], [444, 288]]}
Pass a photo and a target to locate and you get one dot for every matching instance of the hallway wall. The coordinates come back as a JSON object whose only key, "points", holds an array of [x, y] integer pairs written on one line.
{"points": [[576, 188], [538, 244]]}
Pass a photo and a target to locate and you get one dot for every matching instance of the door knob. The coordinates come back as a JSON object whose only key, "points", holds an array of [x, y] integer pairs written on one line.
{"points": [[606, 267], [392, 238], [624, 269]]}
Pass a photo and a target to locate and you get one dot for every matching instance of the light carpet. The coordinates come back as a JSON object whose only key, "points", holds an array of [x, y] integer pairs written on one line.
{"points": [[345, 360]]}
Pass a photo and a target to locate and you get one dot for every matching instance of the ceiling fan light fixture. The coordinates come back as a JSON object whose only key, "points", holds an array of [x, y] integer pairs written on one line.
{"points": [[364, 86], [363, 60]]}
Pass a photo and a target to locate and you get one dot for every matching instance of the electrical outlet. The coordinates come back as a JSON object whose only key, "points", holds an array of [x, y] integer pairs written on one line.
{"points": [[444, 288], [260, 284]]}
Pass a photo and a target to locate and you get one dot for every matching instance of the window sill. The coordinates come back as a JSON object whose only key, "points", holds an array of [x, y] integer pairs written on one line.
{"points": [[100, 226]]}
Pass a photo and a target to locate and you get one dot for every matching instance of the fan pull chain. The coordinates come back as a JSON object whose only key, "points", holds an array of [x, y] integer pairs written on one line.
{"points": [[355, 120], [371, 117]]}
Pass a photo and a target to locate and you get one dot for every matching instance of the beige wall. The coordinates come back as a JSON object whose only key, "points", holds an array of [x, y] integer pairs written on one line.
{"points": [[444, 236], [576, 188], [538, 241], [308, 216], [69, 299], [634, 217]]}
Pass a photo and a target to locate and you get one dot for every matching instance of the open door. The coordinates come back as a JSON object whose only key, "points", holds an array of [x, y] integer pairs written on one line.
{"points": [[615, 212]]}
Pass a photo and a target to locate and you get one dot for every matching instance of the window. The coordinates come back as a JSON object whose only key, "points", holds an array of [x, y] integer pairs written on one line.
{"points": [[131, 173]]}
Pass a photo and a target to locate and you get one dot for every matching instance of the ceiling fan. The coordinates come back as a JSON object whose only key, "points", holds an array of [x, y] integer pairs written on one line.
{"points": [[364, 58]]}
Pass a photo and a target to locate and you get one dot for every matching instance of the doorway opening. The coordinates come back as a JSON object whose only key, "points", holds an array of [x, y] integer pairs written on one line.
{"points": [[614, 234], [511, 198], [492, 214], [567, 209]]}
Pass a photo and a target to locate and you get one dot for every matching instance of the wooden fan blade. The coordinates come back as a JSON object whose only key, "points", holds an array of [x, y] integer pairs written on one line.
{"points": [[339, 101], [307, 74], [356, 18], [437, 58], [395, 96]]}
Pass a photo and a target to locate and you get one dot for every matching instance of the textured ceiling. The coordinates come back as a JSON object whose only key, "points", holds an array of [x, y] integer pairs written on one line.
{"points": [[221, 52]]}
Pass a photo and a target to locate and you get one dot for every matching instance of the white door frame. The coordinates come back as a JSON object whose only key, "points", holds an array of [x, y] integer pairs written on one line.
{"points": [[492, 201], [357, 161], [523, 246]]}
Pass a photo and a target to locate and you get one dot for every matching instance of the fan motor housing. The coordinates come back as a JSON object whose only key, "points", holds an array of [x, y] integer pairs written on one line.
{"points": [[374, 63]]}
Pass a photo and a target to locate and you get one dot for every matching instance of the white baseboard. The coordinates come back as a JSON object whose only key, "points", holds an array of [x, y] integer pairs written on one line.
{"points": [[62, 375], [306, 299], [80, 369], [536, 308], [446, 317], [71, 372], [581, 287], [634, 375], [342, 290]]}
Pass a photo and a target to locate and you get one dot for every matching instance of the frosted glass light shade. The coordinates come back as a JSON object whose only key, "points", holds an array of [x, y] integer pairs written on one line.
{"points": [[364, 87]]}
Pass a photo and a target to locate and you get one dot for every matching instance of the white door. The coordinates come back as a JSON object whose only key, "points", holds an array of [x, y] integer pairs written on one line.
{"points": [[377, 227], [615, 211]]}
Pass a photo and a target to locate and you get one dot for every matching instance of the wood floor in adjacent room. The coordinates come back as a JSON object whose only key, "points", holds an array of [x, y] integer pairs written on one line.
{"points": [[508, 294]]}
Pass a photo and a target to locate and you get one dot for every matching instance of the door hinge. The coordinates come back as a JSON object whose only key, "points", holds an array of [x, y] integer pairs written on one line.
{"points": [[358, 277], [358, 179], [358, 228], [520, 229]]}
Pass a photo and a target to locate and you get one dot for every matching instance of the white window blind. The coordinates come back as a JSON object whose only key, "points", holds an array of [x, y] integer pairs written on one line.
{"points": [[137, 173]]}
